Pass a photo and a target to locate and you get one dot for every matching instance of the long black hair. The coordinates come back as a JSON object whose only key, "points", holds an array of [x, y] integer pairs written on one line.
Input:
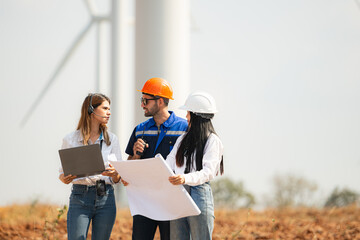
{"points": [[194, 140]]}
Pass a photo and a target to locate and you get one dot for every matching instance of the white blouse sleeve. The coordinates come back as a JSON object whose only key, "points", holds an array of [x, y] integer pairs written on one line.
{"points": [[213, 152], [65, 144]]}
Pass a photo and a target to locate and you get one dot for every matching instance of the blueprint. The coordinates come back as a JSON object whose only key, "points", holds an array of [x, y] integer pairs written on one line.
{"points": [[150, 193]]}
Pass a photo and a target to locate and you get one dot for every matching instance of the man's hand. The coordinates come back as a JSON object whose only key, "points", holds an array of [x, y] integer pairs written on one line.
{"points": [[139, 146]]}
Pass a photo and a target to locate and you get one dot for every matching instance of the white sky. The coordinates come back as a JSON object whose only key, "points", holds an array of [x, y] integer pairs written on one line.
{"points": [[285, 75]]}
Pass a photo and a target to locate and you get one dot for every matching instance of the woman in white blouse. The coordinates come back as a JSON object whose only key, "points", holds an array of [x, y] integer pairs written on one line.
{"points": [[92, 198], [197, 157]]}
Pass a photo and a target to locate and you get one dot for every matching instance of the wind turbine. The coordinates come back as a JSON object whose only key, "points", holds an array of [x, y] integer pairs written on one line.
{"points": [[119, 47], [162, 49], [96, 19]]}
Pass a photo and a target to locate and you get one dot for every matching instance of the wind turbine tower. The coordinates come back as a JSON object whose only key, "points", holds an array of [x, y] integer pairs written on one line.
{"points": [[162, 47]]}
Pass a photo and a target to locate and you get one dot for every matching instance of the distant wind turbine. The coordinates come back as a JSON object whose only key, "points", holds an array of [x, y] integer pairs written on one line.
{"points": [[94, 19]]}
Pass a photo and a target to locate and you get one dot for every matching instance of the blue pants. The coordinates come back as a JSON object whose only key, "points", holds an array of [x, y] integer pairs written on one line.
{"points": [[86, 206], [199, 227]]}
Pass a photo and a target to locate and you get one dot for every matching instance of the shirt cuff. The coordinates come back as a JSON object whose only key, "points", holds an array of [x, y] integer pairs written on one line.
{"points": [[111, 181], [186, 177]]}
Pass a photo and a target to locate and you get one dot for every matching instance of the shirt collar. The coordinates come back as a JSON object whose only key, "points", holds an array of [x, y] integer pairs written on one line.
{"points": [[166, 124], [170, 120], [101, 137], [151, 123], [81, 137]]}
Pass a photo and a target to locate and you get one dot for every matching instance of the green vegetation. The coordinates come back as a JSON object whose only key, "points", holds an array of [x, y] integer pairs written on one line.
{"points": [[231, 194], [292, 191], [342, 198]]}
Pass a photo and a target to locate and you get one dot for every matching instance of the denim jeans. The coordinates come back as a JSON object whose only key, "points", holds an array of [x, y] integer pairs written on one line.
{"points": [[199, 227], [86, 206]]}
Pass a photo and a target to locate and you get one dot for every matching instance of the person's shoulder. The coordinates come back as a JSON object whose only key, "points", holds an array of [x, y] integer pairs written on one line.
{"points": [[182, 124], [145, 123], [72, 139], [215, 138], [112, 135], [72, 135], [179, 121]]}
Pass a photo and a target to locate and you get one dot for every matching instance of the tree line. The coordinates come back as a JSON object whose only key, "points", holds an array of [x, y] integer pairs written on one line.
{"points": [[287, 191]]}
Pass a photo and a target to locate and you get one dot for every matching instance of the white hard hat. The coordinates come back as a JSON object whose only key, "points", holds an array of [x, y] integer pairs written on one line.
{"points": [[200, 102]]}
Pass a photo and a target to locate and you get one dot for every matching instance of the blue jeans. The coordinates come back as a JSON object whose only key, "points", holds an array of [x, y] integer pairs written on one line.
{"points": [[199, 227], [86, 206]]}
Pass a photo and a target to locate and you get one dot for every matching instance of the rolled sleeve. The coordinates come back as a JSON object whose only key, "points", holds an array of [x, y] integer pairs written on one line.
{"points": [[213, 152], [65, 144]]}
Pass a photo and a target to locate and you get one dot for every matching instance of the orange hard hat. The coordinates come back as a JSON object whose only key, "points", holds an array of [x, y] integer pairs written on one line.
{"points": [[158, 87]]}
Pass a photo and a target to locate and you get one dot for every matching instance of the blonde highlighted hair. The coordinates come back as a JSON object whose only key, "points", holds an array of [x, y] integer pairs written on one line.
{"points": [[85, 119]]}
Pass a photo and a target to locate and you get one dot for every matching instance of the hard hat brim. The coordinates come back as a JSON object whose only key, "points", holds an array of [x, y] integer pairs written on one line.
{"points": [[157, 95], [184, 107]]}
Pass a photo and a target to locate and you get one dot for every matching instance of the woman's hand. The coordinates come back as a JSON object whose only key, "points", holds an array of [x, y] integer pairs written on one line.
{"points": [[111, 172], [66, 179], [177, 179]]}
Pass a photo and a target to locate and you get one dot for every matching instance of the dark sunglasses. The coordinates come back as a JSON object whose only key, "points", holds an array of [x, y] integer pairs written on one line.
{"points": [[145, 100]]}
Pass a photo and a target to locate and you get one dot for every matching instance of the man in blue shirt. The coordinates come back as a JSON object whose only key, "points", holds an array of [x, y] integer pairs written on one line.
{"points": [[156, 135]]}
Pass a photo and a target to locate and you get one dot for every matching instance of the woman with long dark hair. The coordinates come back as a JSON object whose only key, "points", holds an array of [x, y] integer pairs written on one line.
{"points": [[92, 198], [197, 157]]}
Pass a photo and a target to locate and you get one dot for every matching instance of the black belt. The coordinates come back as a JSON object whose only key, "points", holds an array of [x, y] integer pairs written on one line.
{"points": [[86, 187]]}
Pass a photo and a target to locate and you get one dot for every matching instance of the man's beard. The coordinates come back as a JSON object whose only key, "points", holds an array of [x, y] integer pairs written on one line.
{"points": [[152, 111]]}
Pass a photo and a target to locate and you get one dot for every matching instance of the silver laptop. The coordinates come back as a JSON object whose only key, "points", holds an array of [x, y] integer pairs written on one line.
{"points": [[82, 161]]}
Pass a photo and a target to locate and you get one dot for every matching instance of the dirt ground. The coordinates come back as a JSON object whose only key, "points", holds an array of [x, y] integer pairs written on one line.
{"points": [[49, 222]]}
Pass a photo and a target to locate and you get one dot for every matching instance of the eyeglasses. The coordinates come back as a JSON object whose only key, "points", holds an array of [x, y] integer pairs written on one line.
{"points": [[145, 100]]}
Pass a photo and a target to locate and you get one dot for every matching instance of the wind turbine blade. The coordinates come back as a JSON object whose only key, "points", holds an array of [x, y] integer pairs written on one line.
{"points": [[357, 4], [91, 7], [61, 65]]}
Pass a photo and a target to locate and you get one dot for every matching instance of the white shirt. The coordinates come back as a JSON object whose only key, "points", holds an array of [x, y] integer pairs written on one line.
{"points": [[213, 152], [75, 139]]}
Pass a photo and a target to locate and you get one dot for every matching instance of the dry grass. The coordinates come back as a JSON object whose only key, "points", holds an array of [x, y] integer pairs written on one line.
{"points": [[43, 222]]}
